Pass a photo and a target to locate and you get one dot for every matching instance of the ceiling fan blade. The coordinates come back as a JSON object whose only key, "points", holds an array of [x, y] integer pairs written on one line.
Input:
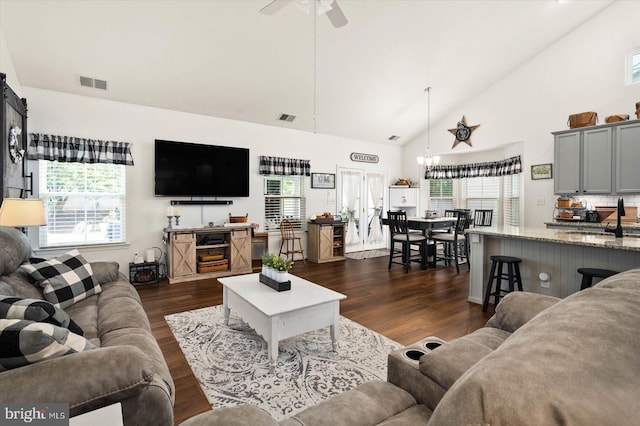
{"points": [[274, 6], [336, 16]]}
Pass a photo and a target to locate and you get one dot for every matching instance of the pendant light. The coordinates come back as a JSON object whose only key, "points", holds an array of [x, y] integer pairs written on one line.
{"points": [[428, 160]]}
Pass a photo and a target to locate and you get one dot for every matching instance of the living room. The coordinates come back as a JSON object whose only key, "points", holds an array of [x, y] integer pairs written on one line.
{"points": [[581, 67]]}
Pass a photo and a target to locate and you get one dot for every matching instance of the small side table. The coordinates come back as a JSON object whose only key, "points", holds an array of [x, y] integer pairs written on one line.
{"points": [[143, 273]]}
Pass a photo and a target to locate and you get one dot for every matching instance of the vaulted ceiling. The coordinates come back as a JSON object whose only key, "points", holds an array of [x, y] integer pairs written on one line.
{"points": [[223, 58]]}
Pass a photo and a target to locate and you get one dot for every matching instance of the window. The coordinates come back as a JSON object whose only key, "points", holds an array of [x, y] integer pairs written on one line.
{"points": [[633, 67], [511, 200], [284, 199], [501, 194], [84, 203], [441, 195]]}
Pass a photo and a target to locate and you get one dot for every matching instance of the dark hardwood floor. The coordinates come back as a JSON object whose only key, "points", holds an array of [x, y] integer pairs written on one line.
{"points": [[402, 306]]}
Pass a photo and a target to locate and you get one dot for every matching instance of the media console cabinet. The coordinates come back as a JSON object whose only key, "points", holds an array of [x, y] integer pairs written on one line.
{"points": [[210, 252]]}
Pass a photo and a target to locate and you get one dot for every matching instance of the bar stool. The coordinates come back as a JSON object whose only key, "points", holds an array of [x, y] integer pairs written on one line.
{"points": [[512, 276], [589, 273]]}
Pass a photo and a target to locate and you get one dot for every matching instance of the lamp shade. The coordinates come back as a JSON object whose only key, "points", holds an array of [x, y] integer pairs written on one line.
{"points": [[19, 212]]}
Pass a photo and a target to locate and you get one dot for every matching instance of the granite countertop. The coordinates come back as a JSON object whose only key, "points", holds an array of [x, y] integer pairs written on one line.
{"points": [[562, 236], [595, 225]]}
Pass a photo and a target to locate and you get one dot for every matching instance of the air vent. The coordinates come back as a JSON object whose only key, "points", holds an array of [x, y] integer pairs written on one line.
{"points": [[100, 84], [86, 81], [287, 117], [394, 137], [94, 83]]}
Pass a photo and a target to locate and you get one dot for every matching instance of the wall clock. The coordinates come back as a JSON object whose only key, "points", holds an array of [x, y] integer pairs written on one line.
{"points": [[463, 132]]}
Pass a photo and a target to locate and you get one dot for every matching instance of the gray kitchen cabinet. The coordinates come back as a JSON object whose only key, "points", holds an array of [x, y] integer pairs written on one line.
{"points": [[567, 163], [590, 160], [627, 156], [596, 161]]}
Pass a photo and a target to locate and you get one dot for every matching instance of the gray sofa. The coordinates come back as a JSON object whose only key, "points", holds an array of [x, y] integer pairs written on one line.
{"points": [[127, 366], [538, 361]]}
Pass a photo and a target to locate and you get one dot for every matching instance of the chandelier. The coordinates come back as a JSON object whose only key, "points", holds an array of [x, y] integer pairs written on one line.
{"points": [[428, 160]]}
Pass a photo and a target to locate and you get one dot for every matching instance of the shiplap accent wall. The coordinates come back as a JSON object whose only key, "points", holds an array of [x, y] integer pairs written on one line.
{"points": [[561, 261]]}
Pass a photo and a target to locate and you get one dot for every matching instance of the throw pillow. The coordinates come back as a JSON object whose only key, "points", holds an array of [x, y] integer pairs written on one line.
{"points": [[36, 310], [25, 342], [65, 280]]}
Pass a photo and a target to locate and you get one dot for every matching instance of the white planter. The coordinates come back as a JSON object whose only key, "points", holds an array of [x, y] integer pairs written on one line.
{"points": [[265, 270], [282, 276]]}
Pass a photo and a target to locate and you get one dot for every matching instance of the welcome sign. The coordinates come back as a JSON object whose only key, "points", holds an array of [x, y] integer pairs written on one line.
{"points": [[364, 158]]}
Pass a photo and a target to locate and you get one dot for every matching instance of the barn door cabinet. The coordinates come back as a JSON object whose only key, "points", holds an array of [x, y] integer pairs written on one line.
{"points": [[199, 253], [326, 242]]}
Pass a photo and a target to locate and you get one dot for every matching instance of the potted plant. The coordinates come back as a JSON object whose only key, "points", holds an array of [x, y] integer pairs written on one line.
{"points": [[282, 269], [274, 260], [266, 264]]}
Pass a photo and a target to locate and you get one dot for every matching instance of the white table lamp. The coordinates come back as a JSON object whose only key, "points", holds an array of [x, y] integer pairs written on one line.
{"points": [[22, 212]]}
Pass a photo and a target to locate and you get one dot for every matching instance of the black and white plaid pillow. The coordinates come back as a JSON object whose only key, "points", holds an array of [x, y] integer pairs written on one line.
{"points": [[36, 310], [65, 280], [25, 342]]}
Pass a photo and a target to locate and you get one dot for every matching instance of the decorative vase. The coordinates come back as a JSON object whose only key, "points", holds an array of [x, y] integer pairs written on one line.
{"points": [[282, 276], [265, 270], [271, 273]]}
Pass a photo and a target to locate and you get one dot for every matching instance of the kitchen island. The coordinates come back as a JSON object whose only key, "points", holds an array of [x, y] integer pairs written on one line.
{"points": [[592, 226], [558, 252]]}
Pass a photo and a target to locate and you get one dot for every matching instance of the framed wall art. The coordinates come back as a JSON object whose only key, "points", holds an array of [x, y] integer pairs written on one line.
{"points": [[323, 180], [541, 171]]}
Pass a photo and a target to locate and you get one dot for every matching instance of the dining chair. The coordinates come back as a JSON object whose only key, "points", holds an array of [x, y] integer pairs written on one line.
{"points": [[400, 235], [454, 244], [289, 238], [482, 217]]}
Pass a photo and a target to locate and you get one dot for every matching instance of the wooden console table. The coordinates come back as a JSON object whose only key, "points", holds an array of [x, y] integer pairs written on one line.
{"points": [[188, 247], [326, 242]]}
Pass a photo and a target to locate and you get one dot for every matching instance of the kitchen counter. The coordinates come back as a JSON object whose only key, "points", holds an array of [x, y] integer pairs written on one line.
{"points": [[596, 238], [632, 228], [558, 252]]}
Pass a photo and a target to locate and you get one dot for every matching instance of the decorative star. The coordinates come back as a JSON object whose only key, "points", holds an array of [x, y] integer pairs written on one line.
{"points": [[462, 132]]}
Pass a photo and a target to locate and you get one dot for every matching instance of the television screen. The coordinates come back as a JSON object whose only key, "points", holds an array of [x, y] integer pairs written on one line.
{"points": [[198, 170]]}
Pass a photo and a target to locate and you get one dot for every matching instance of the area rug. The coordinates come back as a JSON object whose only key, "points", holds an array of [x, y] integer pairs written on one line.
{"points": [[231, 362], [367, 254]]}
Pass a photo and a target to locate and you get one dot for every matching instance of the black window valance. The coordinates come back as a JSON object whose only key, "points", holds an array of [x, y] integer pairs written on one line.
{"points": [[284, 166], [69, 149], [510, 166]]}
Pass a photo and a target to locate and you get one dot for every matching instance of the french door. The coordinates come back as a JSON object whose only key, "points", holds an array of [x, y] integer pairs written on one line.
{"points": [[361, 198]]}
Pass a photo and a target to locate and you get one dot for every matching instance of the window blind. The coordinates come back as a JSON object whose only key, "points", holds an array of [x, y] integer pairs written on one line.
{"points": [[284, 199], [441, 195], [511, 200], [482, 193], [85, 203]]}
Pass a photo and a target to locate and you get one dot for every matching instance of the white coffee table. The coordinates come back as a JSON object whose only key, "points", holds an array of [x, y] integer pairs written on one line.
{"points": [[279, 315]]}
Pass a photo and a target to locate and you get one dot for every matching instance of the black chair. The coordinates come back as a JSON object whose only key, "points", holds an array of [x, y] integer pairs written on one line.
{"points": [[399, 230], [454, 244], [482, 217]]}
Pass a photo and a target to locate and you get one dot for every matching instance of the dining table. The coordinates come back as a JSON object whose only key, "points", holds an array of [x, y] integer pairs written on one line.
{"points": [[427, 225]]}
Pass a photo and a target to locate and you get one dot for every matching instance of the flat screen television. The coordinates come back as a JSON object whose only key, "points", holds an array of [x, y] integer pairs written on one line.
{"points": [[198, 170]]}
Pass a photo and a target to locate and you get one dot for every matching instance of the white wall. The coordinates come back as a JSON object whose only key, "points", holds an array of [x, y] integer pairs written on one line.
{"points": [[6, 66], [63, 114], [584, 71]]}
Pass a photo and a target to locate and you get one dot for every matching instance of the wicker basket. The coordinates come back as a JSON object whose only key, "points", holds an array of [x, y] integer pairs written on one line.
{"points": [[582, 119], [565, 215], [238, 219]]}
